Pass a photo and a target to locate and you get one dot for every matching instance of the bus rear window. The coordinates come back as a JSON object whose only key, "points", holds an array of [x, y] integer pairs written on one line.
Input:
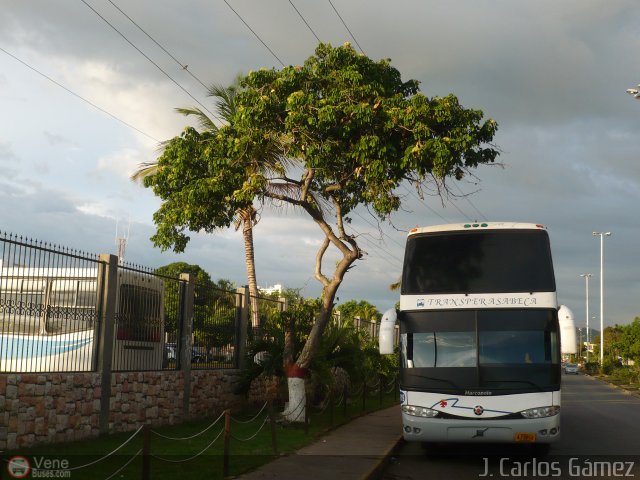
{"points": [[495, 261]]}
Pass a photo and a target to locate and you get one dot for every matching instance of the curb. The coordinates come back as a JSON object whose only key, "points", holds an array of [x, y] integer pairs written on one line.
{"points": [[614, 386], [377, 469]]}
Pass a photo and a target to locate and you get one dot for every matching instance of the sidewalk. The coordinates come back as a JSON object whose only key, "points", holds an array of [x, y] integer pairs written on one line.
{"points": [[353, 451]]}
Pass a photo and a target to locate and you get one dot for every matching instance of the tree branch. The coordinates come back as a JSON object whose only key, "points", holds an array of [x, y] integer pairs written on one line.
{"points": [[318, 273]]}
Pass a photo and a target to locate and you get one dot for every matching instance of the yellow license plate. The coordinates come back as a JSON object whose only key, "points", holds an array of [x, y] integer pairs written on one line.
{"points": [[525, 437]]}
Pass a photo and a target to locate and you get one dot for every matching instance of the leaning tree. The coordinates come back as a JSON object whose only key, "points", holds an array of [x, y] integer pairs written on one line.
{"points": [[356, 132]]}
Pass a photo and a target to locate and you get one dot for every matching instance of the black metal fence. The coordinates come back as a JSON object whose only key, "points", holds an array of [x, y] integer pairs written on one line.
{"points": [[48, 298], [64, 310]]}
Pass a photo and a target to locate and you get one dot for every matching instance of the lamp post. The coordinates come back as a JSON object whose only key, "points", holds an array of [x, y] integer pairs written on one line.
{"points": [[601, 235], [586, 278]]}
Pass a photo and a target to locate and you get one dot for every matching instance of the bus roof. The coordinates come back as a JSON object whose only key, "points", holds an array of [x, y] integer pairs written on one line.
{"points": [[452, 227]]}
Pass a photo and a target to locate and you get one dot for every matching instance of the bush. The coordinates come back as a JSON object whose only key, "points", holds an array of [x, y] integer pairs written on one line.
{"points": [[591, 367]]}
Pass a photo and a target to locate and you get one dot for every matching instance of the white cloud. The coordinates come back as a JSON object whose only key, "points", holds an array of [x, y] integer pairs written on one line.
{"points": [[122, 163]]}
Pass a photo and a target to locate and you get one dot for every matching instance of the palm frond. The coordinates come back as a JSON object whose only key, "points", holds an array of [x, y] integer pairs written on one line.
{"points": [[144, 170], [205, 123]]}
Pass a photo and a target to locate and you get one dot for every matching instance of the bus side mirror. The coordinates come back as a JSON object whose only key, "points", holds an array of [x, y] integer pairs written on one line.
{"points": [[387, 331], [568, 340]]}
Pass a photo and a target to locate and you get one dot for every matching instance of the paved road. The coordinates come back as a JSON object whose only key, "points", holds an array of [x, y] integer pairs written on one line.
{"points": [[597, 420]]}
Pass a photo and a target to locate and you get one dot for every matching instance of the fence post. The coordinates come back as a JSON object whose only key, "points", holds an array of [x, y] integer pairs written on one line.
{"points": [[306, 417], [345, 398], [283, 304], [242, 323], [107, 288], [396, 388], [364, 395], [187, 291], [331, 405], [272, 421], [146, 452], [381, 385], [227, 441]]}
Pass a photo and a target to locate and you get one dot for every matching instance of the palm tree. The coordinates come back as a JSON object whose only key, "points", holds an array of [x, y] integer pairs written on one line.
{"points": [[268, 160]]}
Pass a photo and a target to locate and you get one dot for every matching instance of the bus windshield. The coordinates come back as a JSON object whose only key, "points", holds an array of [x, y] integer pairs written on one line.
{"points": [[492, 261], [480, 348]]}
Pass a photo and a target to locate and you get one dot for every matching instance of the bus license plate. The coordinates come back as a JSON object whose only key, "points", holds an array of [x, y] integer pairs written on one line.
{"points": [[525, 437]]}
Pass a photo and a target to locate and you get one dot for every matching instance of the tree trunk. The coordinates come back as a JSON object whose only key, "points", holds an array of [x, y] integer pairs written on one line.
{"points": [[350, 253], [247, 234], [295, 410]]}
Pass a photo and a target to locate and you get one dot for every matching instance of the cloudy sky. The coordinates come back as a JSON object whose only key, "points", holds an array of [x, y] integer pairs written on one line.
{"points": [[88, 88]]}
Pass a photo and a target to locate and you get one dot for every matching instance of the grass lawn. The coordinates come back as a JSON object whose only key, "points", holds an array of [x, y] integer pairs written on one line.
{"points": [[197, 457]]}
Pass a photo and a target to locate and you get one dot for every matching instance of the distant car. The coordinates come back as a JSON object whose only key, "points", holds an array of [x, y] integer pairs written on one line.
{"points": [[571, 368], [171, 350]]}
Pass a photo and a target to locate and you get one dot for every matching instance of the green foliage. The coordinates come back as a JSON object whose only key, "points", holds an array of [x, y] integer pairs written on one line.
{"points": [[268, 343], [339, 132], [197, 186], [211, 301], [360, 128], [341, 345], [627, 343], [362, 309]]}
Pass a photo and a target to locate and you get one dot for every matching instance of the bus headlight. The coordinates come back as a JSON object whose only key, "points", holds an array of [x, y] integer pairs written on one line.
{"points": [[419, 411], [541, 412]]}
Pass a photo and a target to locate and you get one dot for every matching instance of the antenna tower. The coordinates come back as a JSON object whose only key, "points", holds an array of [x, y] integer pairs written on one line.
{"points": [[121, 242]]}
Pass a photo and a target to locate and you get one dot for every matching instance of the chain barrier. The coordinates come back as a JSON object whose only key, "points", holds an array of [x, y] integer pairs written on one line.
{"points": [[192, 436], [358, 393], [124, 466], [326, 402], [392, 385], [255, 434], [298, 407], [373, 388], [108, 454], [255, 416], [190, 458]]}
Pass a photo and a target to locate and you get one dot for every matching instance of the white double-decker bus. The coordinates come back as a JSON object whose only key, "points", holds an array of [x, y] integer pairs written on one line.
{"points": [[480, 356]]}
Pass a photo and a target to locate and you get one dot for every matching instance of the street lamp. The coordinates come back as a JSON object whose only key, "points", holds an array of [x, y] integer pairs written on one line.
{"points": [[586, 278], [601, 235]]}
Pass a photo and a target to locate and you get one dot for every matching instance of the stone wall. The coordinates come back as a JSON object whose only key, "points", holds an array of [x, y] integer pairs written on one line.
{"points": [[55, 407]]}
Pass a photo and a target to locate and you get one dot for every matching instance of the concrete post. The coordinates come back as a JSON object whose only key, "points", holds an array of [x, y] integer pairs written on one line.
{"points": [[107, 290], [284, 304], [242, 323], [187, 290]]}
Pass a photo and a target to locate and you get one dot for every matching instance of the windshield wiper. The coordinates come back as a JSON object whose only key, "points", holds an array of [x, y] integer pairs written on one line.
{"points": [[516, 381], [437, 379]]}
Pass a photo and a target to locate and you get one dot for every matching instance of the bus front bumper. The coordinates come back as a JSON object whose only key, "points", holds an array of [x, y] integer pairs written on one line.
{"points": [[420, 429]]}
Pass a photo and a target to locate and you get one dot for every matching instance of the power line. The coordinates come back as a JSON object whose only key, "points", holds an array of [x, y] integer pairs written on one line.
{"points": [[465, 196], [459, 210], [185, 67], [377, 226], [379, 248], [426, 205], [78, 96], [305, 21], [345, 26], [149, 59], [252, 31]]}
